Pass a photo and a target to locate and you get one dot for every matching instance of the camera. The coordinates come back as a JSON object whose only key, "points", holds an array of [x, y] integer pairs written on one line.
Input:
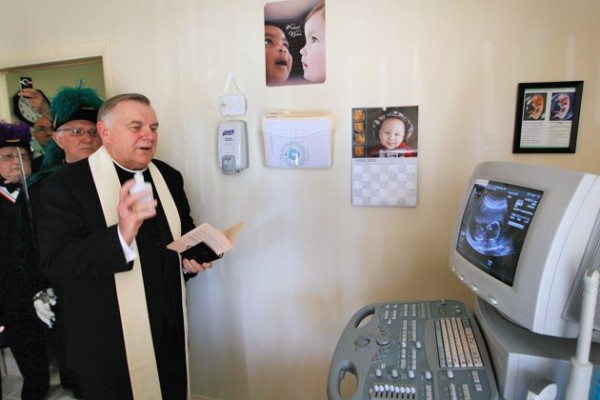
{"points": [[26, 82]]}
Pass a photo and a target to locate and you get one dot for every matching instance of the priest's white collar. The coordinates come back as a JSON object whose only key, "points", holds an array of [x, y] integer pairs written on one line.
{"points": [[133, 171]]}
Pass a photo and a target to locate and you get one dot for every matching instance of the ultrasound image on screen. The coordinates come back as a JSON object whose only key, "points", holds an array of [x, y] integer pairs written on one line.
{"points": [[494, 227]]}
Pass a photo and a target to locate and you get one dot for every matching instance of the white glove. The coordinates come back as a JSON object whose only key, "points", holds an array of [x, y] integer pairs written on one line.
{"points": [[42, 302]]}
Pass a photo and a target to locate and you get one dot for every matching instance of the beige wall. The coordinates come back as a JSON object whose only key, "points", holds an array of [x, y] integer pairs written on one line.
{"points": [[266, 319]]}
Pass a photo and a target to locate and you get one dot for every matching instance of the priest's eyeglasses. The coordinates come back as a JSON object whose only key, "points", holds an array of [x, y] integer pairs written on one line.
{"points": [[12, 157], [79, 132]]}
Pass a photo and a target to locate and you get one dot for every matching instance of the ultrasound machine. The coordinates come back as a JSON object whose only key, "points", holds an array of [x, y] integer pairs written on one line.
{"points": [[524, 238]]}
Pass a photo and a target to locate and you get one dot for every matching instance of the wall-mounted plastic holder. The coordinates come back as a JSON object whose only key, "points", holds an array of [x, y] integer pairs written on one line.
{"points": [[298, 140]]}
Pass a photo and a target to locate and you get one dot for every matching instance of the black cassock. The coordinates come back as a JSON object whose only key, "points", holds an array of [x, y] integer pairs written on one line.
{"points": [[82, 255], [20, 280]]}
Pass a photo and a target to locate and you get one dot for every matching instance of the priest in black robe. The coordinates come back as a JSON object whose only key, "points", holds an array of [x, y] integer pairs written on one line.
{"points": [[123, 291]]}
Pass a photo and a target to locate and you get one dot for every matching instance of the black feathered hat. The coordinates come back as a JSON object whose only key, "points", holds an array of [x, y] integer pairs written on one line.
{"points": [[74, 103]]}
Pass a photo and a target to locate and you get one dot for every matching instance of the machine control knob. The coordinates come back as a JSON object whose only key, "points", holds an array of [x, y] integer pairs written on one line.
{"points": [[383, 340]]}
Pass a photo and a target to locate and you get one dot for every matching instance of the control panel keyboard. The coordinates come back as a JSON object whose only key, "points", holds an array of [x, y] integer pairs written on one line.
{"points": [[416, 350]]}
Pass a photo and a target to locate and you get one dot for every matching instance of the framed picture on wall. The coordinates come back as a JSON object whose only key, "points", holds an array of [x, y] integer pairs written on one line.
{"points": [[547, 117], [295, 42]]}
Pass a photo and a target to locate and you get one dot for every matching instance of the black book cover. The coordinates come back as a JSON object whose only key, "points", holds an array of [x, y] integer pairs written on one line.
{"points": [[201, 253]]}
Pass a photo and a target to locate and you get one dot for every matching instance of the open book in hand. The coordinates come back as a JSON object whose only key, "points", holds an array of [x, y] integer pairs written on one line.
{"points": [[205, 243]]}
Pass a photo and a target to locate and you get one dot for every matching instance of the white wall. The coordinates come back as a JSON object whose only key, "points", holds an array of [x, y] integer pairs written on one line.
{"points": [[266, 319]]}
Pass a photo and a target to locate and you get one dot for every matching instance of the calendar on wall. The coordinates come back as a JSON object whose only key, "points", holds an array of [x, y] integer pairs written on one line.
{"points": [[384, 156]]}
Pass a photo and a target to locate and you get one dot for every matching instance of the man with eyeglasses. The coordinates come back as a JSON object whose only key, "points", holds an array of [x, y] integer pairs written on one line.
{"points": [[42, 135], [78, 139], [19, 275], [123, 290], [42, 131], [76, 133], [74, 111]]}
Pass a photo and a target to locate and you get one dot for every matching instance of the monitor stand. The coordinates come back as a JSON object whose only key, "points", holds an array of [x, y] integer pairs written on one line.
{"points": [[521, 358]]}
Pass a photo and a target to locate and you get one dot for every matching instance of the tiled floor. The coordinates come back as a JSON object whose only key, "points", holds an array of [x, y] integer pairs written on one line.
{"points": [[11, 388]]}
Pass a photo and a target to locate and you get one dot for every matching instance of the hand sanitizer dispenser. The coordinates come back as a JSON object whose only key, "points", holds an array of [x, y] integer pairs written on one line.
{"points": [[232, 146]]}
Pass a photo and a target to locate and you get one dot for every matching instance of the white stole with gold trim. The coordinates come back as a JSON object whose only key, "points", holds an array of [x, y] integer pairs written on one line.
{"points": [[131, 295]]}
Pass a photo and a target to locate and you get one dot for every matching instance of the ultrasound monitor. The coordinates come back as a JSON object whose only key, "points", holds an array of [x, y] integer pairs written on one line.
{"points": [[523, 238], [494, 226]]}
